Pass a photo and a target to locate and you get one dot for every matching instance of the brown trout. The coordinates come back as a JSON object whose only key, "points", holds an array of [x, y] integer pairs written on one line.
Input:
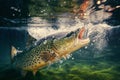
{"points": [[50, 49]]}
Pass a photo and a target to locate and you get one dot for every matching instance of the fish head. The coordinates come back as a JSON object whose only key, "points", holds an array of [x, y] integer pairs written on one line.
{"points": [[81, 38], [72, 41]]}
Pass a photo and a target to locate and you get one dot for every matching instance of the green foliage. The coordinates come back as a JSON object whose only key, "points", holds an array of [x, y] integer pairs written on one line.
{"points": [[71, 70], [101, 70]]}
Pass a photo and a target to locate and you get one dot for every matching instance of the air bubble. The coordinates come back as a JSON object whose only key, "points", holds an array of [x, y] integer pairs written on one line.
{"points": [[91, 44], [94, 40], [61, 61], [86, 47], [13, 14], [68, 56], [72, 58], [45, 42], [53, 36]]}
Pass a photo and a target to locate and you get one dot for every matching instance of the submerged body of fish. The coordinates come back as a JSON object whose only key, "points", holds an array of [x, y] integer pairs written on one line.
{"points": [[48, 50]]}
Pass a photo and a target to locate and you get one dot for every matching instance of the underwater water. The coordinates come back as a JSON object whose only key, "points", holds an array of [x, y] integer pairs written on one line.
{"points": [[99, 60], [24, 23]]}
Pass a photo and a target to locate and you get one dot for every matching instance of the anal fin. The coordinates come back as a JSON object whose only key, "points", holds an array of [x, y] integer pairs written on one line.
{"points": [[34, 72]]}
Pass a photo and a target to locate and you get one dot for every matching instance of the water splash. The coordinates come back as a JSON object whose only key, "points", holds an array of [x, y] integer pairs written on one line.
{"points": [[65, 25], [96, 32], [43, 28]]}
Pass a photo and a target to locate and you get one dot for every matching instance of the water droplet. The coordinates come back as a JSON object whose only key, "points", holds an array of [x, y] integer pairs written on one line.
{"points": [[61, 61], [35, 43], [53, 36], [19, 10], [72, 58], [12, 7], [45, 42], [61, 5], [64, 2], [28, 14], [13, 14], [94, 40], [91, 44], [41, 11], [68, 56], [98, 2], [86, 47]]}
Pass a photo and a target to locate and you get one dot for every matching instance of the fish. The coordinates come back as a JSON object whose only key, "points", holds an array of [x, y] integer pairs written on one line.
{"points": [[48, 50]]}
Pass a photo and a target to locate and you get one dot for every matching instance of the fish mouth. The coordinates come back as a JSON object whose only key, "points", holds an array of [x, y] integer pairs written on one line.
{"points": [[82, 36]]}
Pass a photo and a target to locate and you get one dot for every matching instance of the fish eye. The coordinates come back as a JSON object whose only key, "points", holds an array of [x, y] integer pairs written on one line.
{"points": [[70, 34]]}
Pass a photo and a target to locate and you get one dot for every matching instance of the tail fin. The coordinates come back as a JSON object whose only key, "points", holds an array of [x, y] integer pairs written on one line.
{"points": [[13, 52]]}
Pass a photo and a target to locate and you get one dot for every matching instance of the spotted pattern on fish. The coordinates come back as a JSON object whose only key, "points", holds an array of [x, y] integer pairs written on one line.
{"points": [[41, 54]]}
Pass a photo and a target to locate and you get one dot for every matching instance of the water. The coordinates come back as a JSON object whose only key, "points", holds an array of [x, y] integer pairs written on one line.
{"points": [[99, 60]]}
